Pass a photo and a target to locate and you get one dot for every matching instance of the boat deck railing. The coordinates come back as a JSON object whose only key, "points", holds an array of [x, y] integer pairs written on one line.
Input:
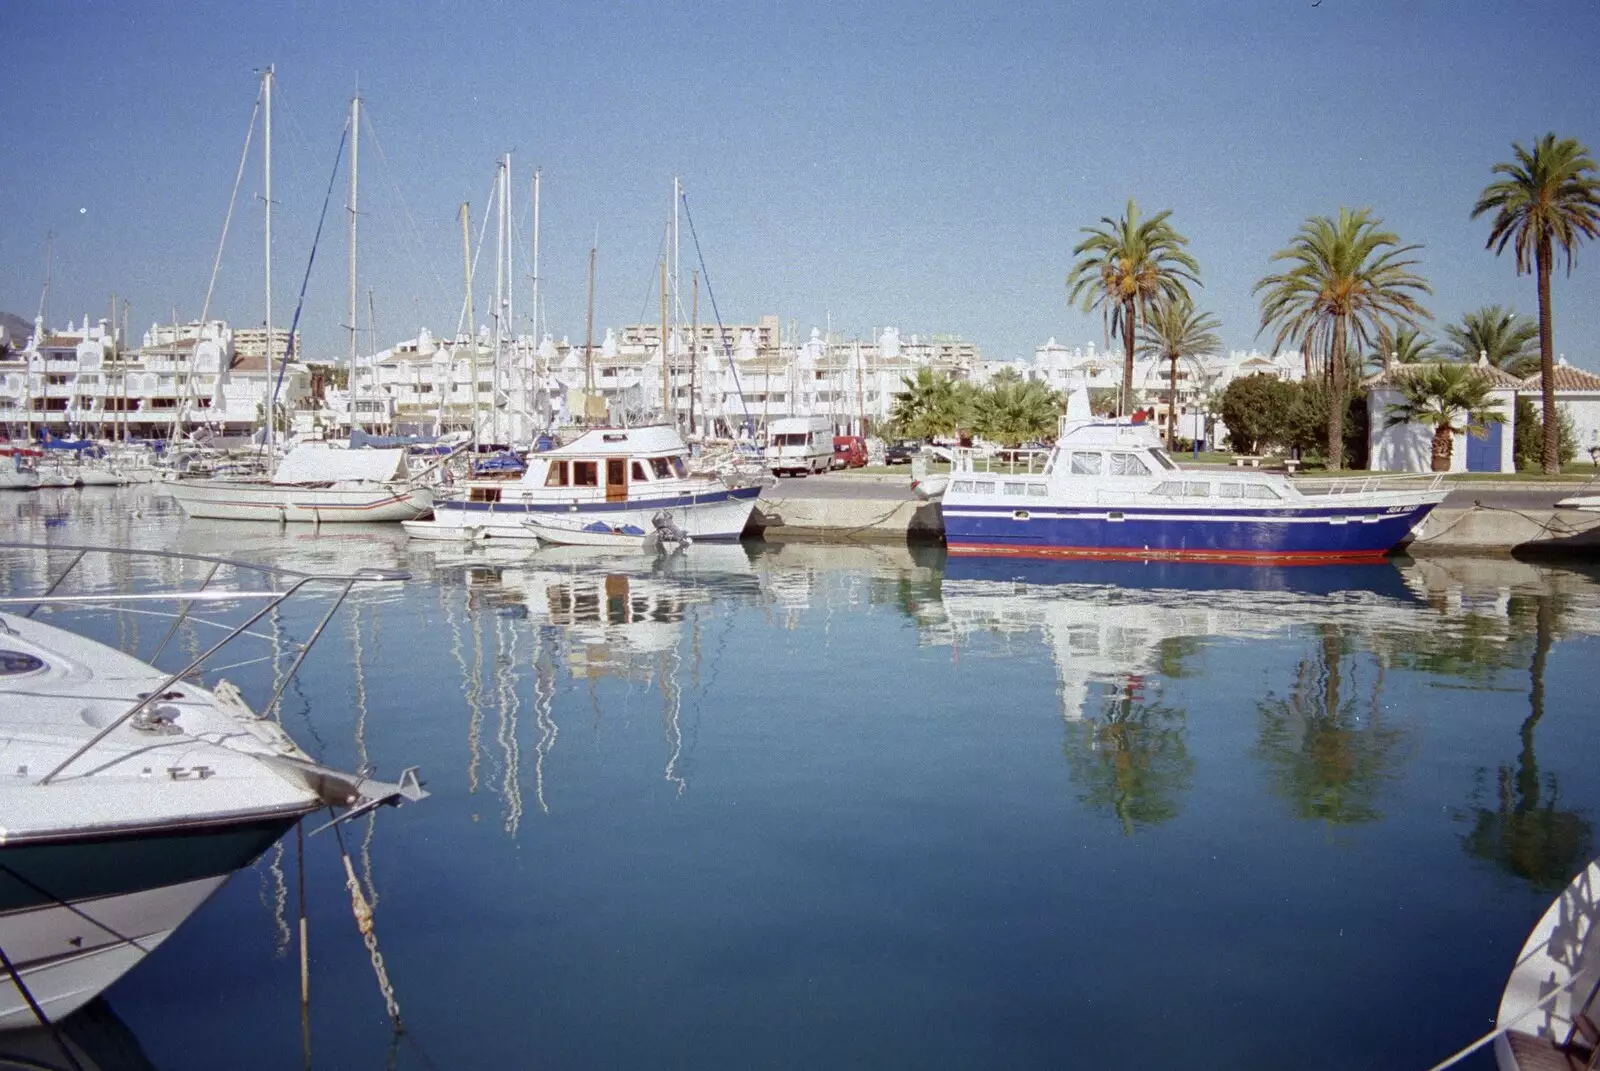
{"points": [[1370, 484], [1028, 462], [278, 585]]}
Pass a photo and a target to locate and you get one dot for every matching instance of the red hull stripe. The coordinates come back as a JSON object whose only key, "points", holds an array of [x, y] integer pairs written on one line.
{"points": [[1290, 557]]}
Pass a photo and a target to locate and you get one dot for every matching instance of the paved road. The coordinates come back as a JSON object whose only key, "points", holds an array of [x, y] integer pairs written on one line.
{"points": [[898, 487]]}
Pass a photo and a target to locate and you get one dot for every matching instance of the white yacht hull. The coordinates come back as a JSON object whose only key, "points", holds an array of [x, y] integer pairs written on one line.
{"points": [[722, 514], [101, 478], [250, 500], [18, 481], [68, 955]]}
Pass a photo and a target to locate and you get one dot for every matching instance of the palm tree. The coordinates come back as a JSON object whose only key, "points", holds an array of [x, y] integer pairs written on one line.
{"points": [[929, 406], [1133, 760], [1406, 345], [1448, 398], [1122, 267], [1500, 337], [1014, 410], [1548, 198], [1347, 277], [1173, 329]]}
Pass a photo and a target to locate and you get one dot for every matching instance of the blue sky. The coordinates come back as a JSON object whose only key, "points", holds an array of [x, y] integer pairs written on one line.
{"points": [[923, 165]]}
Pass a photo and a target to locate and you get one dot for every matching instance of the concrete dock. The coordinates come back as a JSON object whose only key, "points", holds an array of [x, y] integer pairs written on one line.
{"points": [[1478, 517]]}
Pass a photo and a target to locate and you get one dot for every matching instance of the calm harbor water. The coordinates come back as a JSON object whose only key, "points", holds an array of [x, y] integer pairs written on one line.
{"points": [[801, 806]]}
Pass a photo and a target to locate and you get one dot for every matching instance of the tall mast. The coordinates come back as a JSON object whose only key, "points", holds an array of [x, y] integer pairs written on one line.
{"points": [[666, 378], [537, 337], [372, 345], [677, 291], [694, 348], [588, 343], [499, 295], [124, 334], [266, 169], [472, 317], [354, 392]]}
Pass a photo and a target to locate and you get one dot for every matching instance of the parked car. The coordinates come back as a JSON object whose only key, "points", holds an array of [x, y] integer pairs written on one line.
{"points": [[849, 452], [902, 452]]}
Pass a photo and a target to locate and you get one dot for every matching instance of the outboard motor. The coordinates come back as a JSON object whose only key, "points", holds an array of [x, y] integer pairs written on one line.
{"points": [[666, 531]]}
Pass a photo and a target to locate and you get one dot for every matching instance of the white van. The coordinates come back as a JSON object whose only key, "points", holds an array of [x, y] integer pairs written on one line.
{"points": [[800, 445]]}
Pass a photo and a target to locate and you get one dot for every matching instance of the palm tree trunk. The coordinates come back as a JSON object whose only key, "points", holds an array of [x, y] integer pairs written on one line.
{"points": [[1125, 406], [1547, 363], [1336, 371], [1527, 764], [1444, 447], [1172, 407]]}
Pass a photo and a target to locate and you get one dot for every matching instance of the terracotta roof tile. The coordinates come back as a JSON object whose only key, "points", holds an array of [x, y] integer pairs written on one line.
{"points": [[1566, 378], [1497, 377]]}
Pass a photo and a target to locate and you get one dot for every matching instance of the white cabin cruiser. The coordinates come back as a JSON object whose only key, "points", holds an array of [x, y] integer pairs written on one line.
{"points": [[131, 794], [1108, 489], [316, 483], [619, 476]]}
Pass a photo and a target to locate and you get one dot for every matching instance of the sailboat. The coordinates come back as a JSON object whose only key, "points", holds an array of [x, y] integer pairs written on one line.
{"points": [[316, 482]]}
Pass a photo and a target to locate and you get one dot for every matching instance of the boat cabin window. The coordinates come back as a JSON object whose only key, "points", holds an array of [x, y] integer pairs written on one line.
{"points": [[1085, 464], [1169, 488], [484, 494], [961, 485], [638, 471], [1016, 488], [1260, 490], [661, 468], [1038, 490], [1163, 460], [1230, 490], [678, 467], [1128, 465], [982, 487], [586, 474], [557, 476], [1196, 489]]}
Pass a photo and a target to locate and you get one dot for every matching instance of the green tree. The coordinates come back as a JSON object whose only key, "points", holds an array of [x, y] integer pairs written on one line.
{"points": [[931, 405], [1324, 755], [1255, 410], [1013, 410], [1306, 423], [1124, 266], [1103, 401], [1447, 398], [1173, 329], [1528, 436], [1132, 760], [1500, 336], [1549, 199], [1346, 278], [1404, 346]]}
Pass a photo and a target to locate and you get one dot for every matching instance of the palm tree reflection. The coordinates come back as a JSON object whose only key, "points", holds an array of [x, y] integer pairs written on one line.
{"points": [[1526, 832], [1322, 756], [1133, 760]]}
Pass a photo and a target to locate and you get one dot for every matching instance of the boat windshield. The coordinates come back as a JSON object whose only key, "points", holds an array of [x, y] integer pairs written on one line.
{"points": [[1162, 459]]}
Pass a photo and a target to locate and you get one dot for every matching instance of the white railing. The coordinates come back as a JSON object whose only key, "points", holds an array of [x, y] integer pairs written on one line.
{"points": [[1369, 484], [1001, 462]]}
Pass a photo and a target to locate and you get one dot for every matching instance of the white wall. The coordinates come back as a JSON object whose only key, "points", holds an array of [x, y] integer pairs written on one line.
{"points": [[1409, 447]]}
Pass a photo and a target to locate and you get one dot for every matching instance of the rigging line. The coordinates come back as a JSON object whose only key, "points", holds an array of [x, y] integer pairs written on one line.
{"points": [[216, 263], [405, 208], [300, 302], [722, 332], [652, 286]]}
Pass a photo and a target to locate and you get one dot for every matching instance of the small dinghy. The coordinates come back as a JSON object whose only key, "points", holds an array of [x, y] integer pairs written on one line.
{"points": [[576, 531]]}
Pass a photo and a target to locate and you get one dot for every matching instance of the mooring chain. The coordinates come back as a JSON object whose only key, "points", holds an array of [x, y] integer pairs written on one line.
{"points": [[363, 914]]}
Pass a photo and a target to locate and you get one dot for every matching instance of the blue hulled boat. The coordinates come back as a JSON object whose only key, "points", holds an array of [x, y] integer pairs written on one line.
{"points": [[1108, 489]]}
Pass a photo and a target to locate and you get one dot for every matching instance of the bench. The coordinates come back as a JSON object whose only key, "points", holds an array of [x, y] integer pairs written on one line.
{"points": [[1291, 464], [1241, 460]]}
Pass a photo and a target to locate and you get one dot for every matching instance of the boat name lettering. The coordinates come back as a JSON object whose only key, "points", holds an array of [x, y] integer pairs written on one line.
{"points": [[190, 773]]}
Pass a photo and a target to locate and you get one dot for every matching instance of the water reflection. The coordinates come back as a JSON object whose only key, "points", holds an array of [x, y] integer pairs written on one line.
{"points": [[1132, 758], [1527, 832], [1326, 747]]}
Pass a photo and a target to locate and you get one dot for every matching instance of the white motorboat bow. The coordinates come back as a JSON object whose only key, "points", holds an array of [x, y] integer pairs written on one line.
{"points": [[578, 530], [315, 483], [131, 793]]}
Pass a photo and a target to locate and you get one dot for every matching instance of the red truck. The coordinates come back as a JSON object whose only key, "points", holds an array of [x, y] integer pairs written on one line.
{"points": [[849, 452]]}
